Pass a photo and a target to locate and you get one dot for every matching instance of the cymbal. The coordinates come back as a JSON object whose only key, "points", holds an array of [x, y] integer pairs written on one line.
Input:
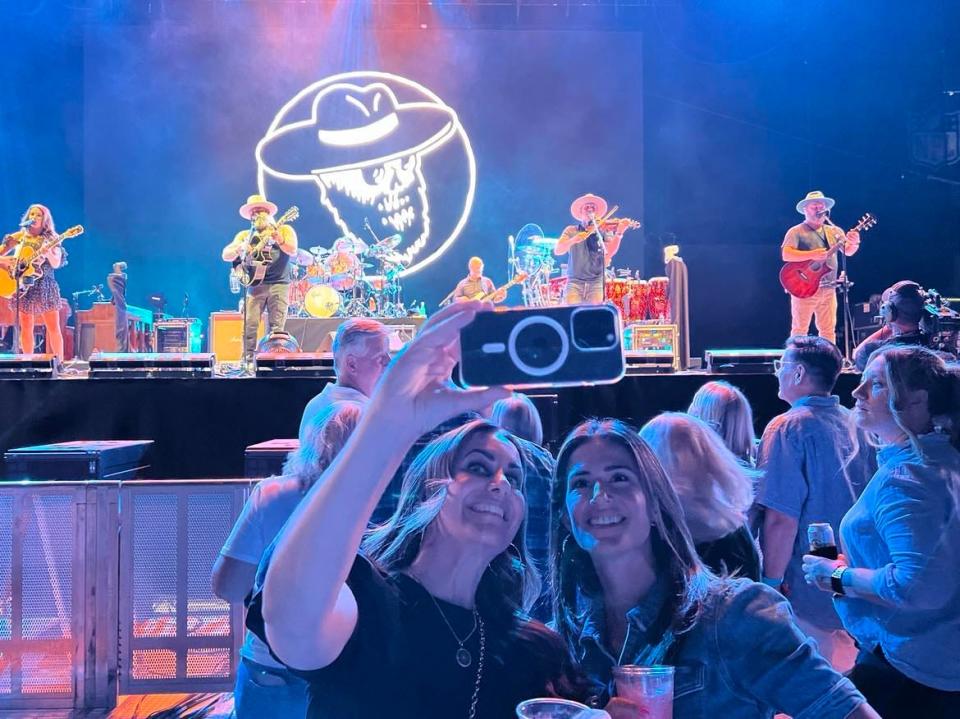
{"points": [[544, 241], [319, 251], [350, 244], [390, 242], [303, 258]]}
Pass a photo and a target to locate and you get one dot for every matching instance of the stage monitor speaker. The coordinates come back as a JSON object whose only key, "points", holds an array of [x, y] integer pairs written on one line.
{"points": [[226, 335], [150, 364], [26, 366], [179, 334], [267, 458], [79, 461], [741, 361], [295, 364]]}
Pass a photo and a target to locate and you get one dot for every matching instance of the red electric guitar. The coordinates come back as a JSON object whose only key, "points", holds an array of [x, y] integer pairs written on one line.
{"points": [[802, 279]]}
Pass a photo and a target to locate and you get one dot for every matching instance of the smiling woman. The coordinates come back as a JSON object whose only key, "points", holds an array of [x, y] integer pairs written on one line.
{"points": [[630, 589]]}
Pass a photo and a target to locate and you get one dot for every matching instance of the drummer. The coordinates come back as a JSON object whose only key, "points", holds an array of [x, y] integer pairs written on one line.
{"points": [[477, 287]]}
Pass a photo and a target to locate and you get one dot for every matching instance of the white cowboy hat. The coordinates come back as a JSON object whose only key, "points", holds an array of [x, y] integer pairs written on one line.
{"points": [[828, 202], [257, 202], [576, 209]]}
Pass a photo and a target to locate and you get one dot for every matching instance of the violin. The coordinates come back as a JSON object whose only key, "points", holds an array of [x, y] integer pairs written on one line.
{"points": [[606, 224]]}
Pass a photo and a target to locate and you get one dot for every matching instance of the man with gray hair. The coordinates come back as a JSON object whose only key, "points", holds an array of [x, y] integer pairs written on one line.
{"points": [[361, 351]]}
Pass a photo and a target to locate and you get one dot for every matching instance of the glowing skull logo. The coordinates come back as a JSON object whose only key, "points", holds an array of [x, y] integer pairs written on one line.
{"points": [[369, 141]]}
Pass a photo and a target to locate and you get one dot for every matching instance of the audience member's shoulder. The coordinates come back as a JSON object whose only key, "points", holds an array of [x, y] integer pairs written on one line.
{"points": [[273, 488], [734, 599]]}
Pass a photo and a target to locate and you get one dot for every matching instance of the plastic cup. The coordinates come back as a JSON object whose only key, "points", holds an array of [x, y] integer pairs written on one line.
{"points": [[557, 709], [650, 688]]}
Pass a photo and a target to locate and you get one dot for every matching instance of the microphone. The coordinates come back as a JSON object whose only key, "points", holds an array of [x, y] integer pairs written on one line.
{"points": [[823, 213], [26, 223]]}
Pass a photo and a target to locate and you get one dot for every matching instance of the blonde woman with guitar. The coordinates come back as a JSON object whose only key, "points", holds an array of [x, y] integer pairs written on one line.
{"points": [[27, 275]]}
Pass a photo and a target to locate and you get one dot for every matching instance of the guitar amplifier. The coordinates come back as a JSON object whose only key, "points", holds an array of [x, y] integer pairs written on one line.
{"points": [[225, 335], [79, 461], [181, 334]]}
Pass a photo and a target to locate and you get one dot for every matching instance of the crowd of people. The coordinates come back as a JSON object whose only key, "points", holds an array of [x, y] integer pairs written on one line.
{"points": [[424, 554]]}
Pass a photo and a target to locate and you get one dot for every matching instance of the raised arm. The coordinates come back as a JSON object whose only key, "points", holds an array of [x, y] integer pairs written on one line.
{"points": [[309, 612]]}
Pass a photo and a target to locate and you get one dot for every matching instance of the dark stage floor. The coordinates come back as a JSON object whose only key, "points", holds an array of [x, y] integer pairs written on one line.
{"points": [[202, 426]]}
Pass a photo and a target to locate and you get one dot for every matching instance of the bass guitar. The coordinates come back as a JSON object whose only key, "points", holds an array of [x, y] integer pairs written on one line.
{"points": [[488, 296], [25, 265], [802, 279], [260, 251]]}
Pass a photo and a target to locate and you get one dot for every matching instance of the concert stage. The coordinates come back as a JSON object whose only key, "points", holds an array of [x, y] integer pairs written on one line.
{"points": [[201, 427]]}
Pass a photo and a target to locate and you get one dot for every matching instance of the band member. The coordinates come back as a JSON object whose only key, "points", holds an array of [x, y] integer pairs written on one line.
{"points": [[272, 291], [587, 258], [42, 299], [902, 311], [475, 286], [812, 240]]}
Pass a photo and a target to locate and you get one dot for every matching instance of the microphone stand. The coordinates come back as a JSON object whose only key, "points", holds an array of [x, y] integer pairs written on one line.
{"points": [[844, 285]]}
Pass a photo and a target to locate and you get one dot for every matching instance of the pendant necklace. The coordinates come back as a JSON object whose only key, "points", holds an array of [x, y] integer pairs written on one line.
{"points": [[463, 656]]}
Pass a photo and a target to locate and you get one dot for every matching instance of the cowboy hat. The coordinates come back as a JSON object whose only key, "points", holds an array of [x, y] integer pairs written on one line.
{"points": [[353, 126], [576, 209], [828, 202], [257, 202]]}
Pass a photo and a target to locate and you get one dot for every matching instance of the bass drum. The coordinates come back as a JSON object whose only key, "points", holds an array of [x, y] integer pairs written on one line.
{"points": [[321, 301]]}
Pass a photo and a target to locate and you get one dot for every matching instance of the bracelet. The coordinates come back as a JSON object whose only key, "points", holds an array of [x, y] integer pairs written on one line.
{"points": [[771, 582], [836, 580]]}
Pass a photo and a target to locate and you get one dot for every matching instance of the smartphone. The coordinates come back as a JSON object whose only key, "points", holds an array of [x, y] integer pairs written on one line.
{"points": [[543, 347]]}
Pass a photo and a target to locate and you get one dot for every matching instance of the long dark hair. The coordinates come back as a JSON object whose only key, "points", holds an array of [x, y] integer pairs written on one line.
{"points": [[511, 583], [574, 582]]}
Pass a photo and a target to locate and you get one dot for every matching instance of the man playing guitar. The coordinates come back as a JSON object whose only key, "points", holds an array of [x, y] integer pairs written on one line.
{"points": [[272, 246], [475, 286], [588, 260], [812, 239]]}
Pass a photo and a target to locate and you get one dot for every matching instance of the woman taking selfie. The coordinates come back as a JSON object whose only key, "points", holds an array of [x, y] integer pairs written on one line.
{"points": [[630, 589], [424, 620], [897, 586]]}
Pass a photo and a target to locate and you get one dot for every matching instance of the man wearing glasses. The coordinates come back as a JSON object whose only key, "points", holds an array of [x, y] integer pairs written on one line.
{"points": [[806, 478]]}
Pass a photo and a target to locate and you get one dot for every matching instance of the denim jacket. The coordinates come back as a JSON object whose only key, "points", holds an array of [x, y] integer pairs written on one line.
{"points": [[906, 525], [745, 658]]}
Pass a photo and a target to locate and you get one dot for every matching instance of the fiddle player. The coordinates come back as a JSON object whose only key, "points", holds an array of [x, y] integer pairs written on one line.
{"points": [[588, 258]]}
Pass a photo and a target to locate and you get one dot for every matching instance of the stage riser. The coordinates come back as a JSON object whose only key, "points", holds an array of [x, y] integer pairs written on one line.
{"points": [[202, 427]]}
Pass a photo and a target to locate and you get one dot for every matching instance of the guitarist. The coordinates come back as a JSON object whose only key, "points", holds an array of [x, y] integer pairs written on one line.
{"points": [[42, 298], [274, 245], [812, 240], [475, 286]]}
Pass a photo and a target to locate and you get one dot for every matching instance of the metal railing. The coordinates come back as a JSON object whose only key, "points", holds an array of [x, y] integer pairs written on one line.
{"points": [[106, 586]]}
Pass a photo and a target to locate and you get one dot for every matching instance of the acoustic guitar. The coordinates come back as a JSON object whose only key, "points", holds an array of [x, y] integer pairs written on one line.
{"points": [[260, 251], [802, 279], [25, 266]]}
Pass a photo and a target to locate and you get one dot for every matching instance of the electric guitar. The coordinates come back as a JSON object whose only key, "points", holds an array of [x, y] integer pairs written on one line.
{"points": [[26, 263], [260, 251], [802, 279], [488, 296]]}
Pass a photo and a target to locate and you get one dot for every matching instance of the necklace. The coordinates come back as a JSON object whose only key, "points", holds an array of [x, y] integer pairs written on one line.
{"points": [[463, 656]]}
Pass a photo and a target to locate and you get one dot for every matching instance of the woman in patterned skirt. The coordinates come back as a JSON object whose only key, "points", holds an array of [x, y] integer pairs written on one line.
{"points": [[42, 299]]}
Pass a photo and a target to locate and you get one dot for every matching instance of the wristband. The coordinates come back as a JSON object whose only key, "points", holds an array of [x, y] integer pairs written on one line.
{"points": [[836, 580], [770, 582]]}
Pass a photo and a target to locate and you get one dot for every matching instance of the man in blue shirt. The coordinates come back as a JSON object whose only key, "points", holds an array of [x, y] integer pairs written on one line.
{"points": [[814, 468]]}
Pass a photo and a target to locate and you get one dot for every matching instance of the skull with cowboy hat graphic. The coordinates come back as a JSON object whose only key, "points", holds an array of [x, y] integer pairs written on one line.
{"points": [[364, 150]]}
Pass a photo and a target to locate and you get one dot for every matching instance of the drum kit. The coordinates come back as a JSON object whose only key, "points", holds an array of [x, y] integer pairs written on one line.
{"points": [[638, 300], [333, 282]]}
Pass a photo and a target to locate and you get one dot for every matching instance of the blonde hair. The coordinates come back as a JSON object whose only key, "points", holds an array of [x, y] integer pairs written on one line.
{"points": [[715, 489], [518, 415], [323, 438], [725, 408]]}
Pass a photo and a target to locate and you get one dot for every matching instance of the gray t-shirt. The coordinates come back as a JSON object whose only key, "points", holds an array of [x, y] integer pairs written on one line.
{"points": [[802, 456], [586, 258], [804, 237]]}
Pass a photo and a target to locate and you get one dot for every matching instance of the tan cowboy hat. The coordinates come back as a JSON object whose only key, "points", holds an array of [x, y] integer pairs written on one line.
{"points": [[576, 209], [257, 202], [813, 196]]}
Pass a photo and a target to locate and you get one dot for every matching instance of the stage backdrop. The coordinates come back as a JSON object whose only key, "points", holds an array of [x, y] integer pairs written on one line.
{"points": [[451, 139]]}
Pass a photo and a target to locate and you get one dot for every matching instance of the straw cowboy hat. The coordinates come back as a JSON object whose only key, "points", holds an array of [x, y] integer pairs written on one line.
{"points": [[576, 209], [354, 126], [828, 202], [257, 202]]}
